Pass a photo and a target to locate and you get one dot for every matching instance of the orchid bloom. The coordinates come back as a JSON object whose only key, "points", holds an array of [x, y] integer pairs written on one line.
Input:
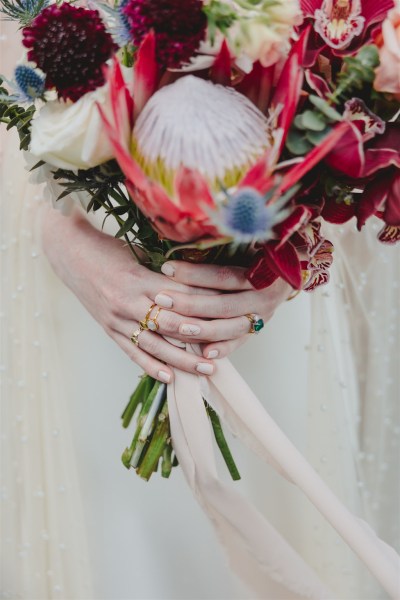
{"points": [[342, 26]]}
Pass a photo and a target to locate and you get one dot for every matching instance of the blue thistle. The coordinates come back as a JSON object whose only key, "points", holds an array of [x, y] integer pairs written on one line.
{"points": [[116, 21], [29, 82], [23, 11], [247, 217], [27, 86]]}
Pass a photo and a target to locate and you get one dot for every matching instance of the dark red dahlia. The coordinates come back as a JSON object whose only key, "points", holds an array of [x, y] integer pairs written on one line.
{"points": [[179, 27], [70, 45]]}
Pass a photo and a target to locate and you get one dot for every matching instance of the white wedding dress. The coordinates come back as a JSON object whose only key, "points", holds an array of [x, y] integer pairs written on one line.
{"points": [[76, 525]]}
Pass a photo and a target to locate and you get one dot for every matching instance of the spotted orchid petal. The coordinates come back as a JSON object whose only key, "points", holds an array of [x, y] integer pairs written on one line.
{"points": [[295, 221]]}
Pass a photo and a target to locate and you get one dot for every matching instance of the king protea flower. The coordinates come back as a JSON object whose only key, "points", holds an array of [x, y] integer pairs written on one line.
{"points": [[193, 138]]}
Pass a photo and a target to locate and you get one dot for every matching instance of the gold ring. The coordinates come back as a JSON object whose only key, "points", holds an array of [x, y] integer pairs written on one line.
{"points": [[150, 322], [135, 336], [256, 323]]}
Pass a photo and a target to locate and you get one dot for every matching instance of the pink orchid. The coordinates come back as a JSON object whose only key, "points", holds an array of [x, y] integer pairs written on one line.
{"points": [[342, 26]]}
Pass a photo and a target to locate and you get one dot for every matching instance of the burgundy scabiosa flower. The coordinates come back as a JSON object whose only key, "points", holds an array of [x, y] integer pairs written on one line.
{"points": [[179, 27], [70, 45]]}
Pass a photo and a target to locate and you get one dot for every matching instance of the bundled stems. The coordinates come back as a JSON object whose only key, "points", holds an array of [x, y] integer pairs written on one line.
{"points": [[152, 439]]}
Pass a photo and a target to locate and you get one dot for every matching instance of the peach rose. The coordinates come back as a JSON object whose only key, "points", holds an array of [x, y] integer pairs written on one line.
{"points": [[388, 73]]}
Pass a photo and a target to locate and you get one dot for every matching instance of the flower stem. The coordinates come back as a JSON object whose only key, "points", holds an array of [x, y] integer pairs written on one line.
{"points": [[146, 421], [138, 397], [222, 443], [157, 445]]}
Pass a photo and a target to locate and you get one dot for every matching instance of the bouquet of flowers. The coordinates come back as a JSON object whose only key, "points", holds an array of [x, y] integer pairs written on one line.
{"points": [[224, 131]]}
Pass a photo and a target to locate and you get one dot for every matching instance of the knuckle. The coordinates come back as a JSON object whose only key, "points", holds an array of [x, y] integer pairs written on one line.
{"points": [[150, 343], [169, 321], [227, 308], [223, 274]]}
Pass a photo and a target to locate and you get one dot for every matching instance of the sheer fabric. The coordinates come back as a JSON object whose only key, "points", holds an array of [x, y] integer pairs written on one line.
{"points": [[325, 367]]}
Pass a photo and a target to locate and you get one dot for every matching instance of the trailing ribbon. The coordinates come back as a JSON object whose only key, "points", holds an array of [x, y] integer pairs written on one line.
{"points": [[257, 552]]}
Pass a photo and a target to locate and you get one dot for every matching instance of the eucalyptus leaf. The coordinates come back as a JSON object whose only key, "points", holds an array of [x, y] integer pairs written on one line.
{"points": [[297, 144], [325, 108], [313, 120], [316, 137]]}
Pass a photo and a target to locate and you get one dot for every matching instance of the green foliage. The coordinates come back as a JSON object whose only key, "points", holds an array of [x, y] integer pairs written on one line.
{"points": [[358, 71], [23, 11], [17, 116], [220, 17]]}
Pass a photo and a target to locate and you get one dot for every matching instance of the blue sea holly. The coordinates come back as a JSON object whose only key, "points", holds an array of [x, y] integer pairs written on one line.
{"points": [[23, 11], [246, 217], [30, 83]]}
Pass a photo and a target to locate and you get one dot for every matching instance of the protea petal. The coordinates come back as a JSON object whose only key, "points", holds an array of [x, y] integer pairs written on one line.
{"points": [[315, 156], [297, 219], [257, 85], [221, 69], [259, 176], [192, 192], [284, 261], [146, 72], [288, 89], [372, 199]]}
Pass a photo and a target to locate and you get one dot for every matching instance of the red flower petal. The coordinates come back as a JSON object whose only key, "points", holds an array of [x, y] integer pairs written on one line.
{"points": [[284, 261], [297, 219], [348, 154], [338, 212], [288, 89], [373, 197], [221, 69], [146, 72], [317, 84], [259, 274], [315, 156], [391, 215], [257, 85], [192, 192]]}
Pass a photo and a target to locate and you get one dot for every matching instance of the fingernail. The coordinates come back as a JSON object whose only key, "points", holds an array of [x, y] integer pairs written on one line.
{"points": [[189, 329], [168, 269], [213, 354], [164, 376], [164, 301], [205, 368]]}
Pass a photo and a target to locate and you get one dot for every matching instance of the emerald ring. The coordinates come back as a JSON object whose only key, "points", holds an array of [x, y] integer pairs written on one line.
{"points": [[256, 323]]}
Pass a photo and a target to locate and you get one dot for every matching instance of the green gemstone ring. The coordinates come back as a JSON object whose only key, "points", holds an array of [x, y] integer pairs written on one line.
{"points": [[256, 323]]}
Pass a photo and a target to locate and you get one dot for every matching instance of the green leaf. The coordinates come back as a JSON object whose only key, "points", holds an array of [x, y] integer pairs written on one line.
{"points": [[313, 120], [325, 108], [297, 144], [316, 137]]}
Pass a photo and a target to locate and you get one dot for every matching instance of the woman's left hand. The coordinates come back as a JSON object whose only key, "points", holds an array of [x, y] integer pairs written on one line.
{"points": [[237, 300]]}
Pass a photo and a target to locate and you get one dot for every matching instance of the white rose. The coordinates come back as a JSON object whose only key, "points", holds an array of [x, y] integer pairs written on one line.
{"points": [[71, 135], [259, 42]]}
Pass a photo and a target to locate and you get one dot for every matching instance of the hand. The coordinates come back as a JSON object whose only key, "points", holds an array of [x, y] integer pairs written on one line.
{"points": [[118, 292], [229, 326]]}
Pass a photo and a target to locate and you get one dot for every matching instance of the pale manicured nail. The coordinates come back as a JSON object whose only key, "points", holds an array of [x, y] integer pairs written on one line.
{"points": [[164, 376], [189, 329], [168, 270], [213, 354], [205, 368], [164, 301]]}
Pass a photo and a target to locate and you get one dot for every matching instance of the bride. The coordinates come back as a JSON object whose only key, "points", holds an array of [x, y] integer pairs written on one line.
{"points": [[75, 523]]}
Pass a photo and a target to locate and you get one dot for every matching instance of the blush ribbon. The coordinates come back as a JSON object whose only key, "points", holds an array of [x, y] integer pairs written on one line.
{"points": [[257, 552]]}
